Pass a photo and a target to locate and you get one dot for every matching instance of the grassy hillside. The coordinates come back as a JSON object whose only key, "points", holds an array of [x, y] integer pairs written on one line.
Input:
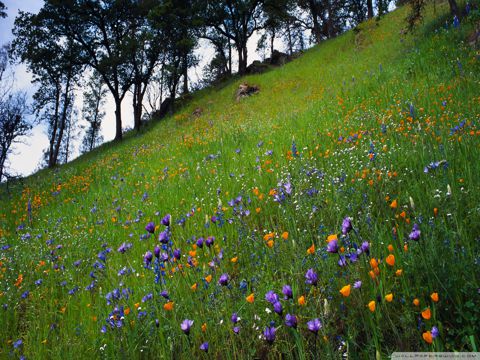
{"points": [[375, 126]]}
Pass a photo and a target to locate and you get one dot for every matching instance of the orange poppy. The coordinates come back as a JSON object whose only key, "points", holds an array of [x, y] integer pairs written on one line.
{"points": [[416, 302], [311, 250], [204, 327], [301, 300], [434, 297], [373, 263], [250, 298], [389, 297], [168, 306], [194, 287], [427, 336], [427, 314], [208, 278], [371, 305], [390, 248], [234, 260], [390, 260], [394, 204], [285, 235], [270, 243], [345, 291]]}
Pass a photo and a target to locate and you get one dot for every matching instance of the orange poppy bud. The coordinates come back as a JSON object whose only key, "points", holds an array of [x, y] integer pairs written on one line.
{"points": [[257, 210], [332, 237], [427, 314], [390, 248], [301, 300], [311, 250], [373, 263], [389, 297], [234, 260], [342, 250], [285, 235], [372, 274], [204, 327], [427, 336], [345, 291], [376, 271], [416, 302], [168, 306], [126, 311], [371, 306], [399, 272], [194, 287], [250, 298], [435, 212], [405, 247], [434, 297], [137, 305], [394, 204], [403, 214], [270, 243], [390, 260]]}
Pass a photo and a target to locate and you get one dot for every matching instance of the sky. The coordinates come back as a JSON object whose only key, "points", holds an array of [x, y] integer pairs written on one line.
{"points": [[27, 155]]}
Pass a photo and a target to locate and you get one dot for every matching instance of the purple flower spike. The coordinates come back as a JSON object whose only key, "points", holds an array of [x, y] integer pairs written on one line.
{"points": [[150, 227], [346, 225], [314, 325], [277, 307], [156, 251], [271, 297], [365, 247], [435, 332], [209, 241], [200, 242], [166, 220], [234, 318], [147, 258], [332, 247], [312, 277], [163, 237], [291, 321], [269, 334], [223, 279], [415, 234], [177, 253], [287, 291], [204, 346], [357, 284], [186, 325]]}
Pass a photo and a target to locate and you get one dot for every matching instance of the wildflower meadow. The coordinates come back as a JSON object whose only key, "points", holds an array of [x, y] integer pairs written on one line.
{"points": [[334, 214]]}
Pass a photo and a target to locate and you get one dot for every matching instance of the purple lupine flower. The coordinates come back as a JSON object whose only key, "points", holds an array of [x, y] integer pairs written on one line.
{"points": [[150, 227], [163, 237], [353, 257], [147, 258], [147, 297], [357, 284], [314, 325], [213, 219], [163, 257], [346, 225], [269, 334], [164, 294], [342, 261], [166, 220], [287, 291], [17, 344], [223, 279], [186, 325], [365, 247], [332, 247], [124, 247], [234, 318], [177, 253], [435, 332], [277, 307], [200, 242], [156, 251], [311, 277], [271, 297], [236, 329], [209, 241], [291, 321], [204, 346], [415, 234]]}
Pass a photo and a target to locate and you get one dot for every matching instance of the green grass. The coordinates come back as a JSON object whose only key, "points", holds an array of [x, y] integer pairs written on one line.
{"points": [[367, 112]]}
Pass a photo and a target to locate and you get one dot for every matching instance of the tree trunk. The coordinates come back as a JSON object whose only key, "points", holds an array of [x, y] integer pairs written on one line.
{"points": [[137, 116], [453, 7], [272, 39], [118, 119], [290, 45], [370, 9], [51, 163], [185, 74], [229, 58]]}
